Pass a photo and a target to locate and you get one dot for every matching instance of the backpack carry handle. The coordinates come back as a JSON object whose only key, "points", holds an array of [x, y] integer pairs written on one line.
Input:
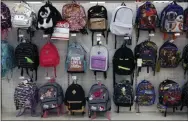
{"points": [[123, 4]]}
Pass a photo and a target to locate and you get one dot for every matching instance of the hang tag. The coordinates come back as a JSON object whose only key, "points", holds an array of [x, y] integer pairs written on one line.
{"points": [[135, 98], [139, 62], [47, 78], [21, 77], [21, 35], [99, 83], [172, 41], [24, 41], [45, 36], [98, 38], [73, 34], [177, 34], [151, 34], [25, 81], [126, 37], [99, 34], [74, 77]]}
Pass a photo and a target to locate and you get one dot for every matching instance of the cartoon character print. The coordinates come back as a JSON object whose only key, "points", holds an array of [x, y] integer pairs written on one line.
{"points": [[171, 97], [148, 17], [49, 94], [169, 58]]}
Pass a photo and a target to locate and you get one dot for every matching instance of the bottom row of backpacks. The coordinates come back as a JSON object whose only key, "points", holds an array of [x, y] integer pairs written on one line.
{"points": [[51, 96]]}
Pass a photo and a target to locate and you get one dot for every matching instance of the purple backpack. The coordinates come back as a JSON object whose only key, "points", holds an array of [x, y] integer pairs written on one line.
{"points": [[5, 17]]}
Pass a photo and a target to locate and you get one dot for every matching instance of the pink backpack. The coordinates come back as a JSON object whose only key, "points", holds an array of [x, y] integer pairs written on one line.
{"points": [[75, 14], [49, 56]]}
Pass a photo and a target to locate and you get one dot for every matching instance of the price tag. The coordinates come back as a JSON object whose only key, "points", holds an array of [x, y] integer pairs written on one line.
{"points": [[177, 34], [139, 62], [45, 36], [47, 78], [126, 38], [98, 38], [21, 77], [99, 34], [74, 77], [21, 35], [73, 34], [151, 34], [172, 41]]}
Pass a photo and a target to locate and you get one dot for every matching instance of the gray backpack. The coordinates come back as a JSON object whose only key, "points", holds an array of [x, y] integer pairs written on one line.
{"points": [[51, 96], [26, 96], [99, 99]]}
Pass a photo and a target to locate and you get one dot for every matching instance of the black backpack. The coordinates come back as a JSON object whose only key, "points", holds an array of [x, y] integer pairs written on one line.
{"points": [[184, 96], [97, 20], [147, 51], [47, 14], [75, 100], [123, 62], [185, 59], [123, 94], [27, 57]]}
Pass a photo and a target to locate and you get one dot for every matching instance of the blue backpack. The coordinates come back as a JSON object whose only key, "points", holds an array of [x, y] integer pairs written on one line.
{"points": [[76, 58], [7, 58], [172, 18], [145, 93]]}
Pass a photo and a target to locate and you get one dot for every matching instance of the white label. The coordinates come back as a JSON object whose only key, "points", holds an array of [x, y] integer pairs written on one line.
{"points": [[47, 78], [98, 34], [25, 81], [45, 36], [139, 62], [24, 41], [177, 34], [21, 35], [172, 41], [21, 77], [126, 37], [73, 34], [135, 98], [74, 77], [151, 34], [98, 38]]}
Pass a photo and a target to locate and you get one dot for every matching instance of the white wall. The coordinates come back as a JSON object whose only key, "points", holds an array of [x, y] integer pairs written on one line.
{"points": [[88, 79]]}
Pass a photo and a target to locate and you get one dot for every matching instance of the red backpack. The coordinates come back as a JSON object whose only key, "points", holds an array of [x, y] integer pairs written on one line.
{"points": [[49, 56]]}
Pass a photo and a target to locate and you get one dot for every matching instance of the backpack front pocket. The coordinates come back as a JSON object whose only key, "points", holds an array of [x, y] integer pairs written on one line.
{"points": [[98, 62], [97, 23]]}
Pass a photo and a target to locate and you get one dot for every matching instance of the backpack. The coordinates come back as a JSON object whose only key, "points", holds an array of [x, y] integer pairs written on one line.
{"points": [[186, 21], [98, 99], [23, 16], [75, 14], [26, 96], [185, 59], [48, 16], [8, 61], [49, 56], [123, 94], [75, 100], [76, 58], [51, 96], [169, 94], [169, 56], [27, 57], [147, 51], [5, 17], [121, 22], [172, 18], [97, 20], [99, 59], [184, 95], [145, 93]]}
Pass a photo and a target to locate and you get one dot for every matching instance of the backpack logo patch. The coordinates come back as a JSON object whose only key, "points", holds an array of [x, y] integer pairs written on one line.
{"points": [[74, 92], [76, 62]]}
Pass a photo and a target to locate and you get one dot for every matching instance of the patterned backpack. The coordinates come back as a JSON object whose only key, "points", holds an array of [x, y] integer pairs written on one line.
{"points": [[99, 59], [76, 58], [8, 61], [186, 21], [146, 18], [23, 16], [123, 94], [145, 93], [169, 95], [147, 51], [75, 14], [98, 99], [169, 56], [26, 96], [185, 59], [184, 96], [5, 17], [51, 96]]}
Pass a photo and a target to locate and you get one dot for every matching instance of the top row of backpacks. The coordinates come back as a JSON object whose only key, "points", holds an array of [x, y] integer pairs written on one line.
{"points": [[172, 18]]}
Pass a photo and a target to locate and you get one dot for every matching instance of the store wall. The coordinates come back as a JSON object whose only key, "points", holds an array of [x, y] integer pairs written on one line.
{"points": [[88, 79]]}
